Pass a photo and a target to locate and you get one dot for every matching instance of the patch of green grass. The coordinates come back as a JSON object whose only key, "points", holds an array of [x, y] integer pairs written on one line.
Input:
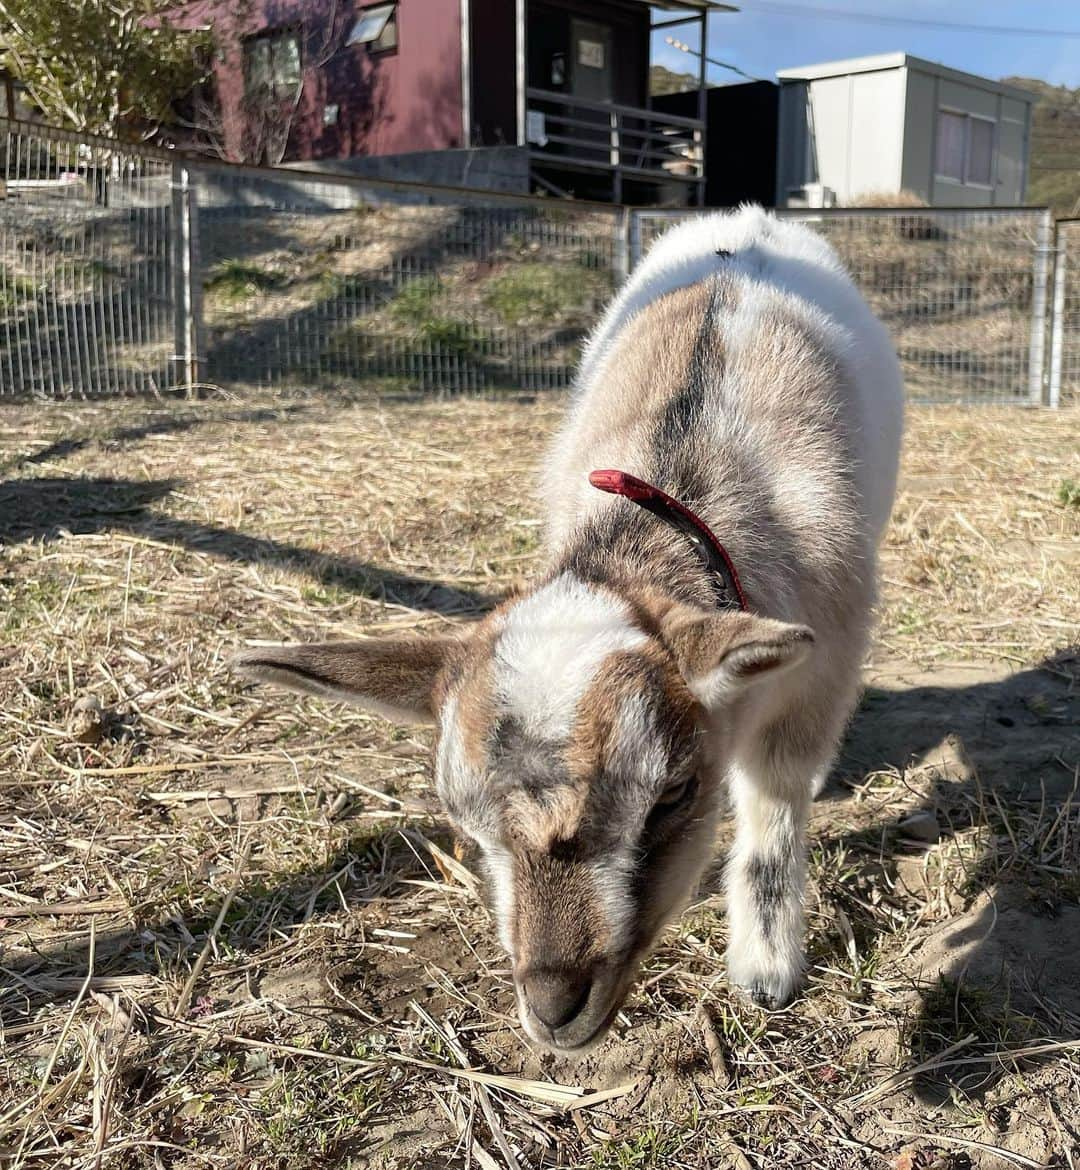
{"points": [[327, 594], [305, 1114], [450, 336], [415, 307], [643, 1151], [1068, 493], [415, 304], [538, 293], [22, 600], [524, 540], [235, 280], [15, 291], [351, 286]]}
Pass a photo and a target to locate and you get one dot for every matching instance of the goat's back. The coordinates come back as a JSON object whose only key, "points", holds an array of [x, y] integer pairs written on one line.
{"points": [[804, 375]]}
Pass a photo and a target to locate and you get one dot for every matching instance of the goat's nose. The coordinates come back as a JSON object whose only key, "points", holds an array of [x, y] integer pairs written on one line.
{"points": [[556, 995]]}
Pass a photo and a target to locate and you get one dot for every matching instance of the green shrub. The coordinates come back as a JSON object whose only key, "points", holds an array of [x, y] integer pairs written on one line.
{"points": [[1069, 493]]}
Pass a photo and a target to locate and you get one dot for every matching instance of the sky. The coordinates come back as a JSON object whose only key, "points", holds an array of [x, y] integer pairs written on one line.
{"points": [[767, 35]]}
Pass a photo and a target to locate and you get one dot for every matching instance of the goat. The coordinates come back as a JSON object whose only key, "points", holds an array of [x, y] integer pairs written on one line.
{"points": [[589, 728]]}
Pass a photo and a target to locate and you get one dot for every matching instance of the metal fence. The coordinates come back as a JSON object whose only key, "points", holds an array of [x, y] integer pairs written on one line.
{"points": [[86, 271], [125, 270], [1063, 382], [313, 280]]}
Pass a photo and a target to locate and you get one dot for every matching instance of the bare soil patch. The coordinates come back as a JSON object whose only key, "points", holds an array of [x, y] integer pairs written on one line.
{"points": [[232, 929]]}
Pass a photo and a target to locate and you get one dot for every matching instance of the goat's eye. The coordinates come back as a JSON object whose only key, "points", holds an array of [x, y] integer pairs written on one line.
{"points": [[675, 795]]}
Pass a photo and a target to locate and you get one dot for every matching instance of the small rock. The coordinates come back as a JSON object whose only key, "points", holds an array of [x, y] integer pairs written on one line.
{"points": [[921, 826], [88, 721]]}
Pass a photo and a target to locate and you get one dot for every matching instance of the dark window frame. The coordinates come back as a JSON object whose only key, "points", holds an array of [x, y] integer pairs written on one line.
{"points": [[382, 45], [968, 117], [274, 88]]}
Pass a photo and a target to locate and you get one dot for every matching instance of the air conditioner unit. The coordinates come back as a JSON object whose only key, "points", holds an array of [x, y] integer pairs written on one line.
{"points": [[811, 195]]}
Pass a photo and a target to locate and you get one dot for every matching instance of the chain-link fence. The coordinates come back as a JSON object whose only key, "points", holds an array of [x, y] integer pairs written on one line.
{"points": [[963, 293], [126, 270]]}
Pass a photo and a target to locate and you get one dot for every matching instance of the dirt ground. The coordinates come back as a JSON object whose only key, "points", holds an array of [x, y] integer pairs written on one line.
{"points": [[233, 932]]}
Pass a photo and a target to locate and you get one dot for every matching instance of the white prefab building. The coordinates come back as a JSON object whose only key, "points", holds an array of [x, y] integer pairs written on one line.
{"points": [[894, 122]]}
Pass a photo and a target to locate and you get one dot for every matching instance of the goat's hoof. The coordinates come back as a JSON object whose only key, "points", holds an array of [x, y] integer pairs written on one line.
{"points": [[771, 991], [762, 997]]}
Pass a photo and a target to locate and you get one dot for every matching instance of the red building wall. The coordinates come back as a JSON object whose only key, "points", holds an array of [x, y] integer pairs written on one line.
{"points": [[403, 100]]}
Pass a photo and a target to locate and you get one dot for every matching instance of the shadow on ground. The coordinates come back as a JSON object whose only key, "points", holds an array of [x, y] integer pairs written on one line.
{"points": [[42, 508], [1003, 755], [121, 436], [1008, 965]]}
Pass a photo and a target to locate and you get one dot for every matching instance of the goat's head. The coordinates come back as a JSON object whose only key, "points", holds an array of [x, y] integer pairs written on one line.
{"points": [[572, 750]]}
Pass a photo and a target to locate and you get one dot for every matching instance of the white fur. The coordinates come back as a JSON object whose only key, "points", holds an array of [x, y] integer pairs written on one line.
{"points": [[553, 643], [769, 257], [639, 750], [776, 274], [499, 863], [769, 826]]}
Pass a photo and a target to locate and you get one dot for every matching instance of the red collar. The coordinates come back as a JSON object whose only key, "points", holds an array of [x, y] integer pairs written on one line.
{"points": [[711, 552]]}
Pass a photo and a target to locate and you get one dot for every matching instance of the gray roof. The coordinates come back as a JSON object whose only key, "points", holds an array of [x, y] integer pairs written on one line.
{"points": [[898, 61]]}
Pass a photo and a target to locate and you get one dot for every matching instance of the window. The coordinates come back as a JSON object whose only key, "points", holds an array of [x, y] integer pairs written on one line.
{"points": [[980, 151], [965, 148], [950, 145], [272, 64], [376, 28]]}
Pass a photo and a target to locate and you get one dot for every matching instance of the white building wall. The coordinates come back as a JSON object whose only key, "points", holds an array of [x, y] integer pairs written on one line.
{"points": [[876, 136], [844, 132]]}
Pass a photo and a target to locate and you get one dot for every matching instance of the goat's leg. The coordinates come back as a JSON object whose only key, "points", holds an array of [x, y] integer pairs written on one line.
{"points": [[766, 875]]}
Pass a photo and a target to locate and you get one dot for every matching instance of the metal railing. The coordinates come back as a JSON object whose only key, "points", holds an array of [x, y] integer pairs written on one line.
{"points": [[570, 132], [124, 270], [315, 281]]}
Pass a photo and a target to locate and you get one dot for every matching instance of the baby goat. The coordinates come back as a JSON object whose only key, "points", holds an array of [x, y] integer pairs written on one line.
{"points": [[738, 389]]}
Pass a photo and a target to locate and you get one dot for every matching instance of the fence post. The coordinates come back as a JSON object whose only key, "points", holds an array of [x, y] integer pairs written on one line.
{"points": [[621, 261], [187, 292], [635, 237], [1057, 318], [1037, 351]]}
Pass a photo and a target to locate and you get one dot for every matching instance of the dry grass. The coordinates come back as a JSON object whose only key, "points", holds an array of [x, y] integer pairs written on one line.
{"points": [[232, 932]]}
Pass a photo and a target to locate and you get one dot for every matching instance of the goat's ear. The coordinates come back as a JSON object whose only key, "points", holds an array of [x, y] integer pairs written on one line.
{"points": [[394, 677], [721, 655]]}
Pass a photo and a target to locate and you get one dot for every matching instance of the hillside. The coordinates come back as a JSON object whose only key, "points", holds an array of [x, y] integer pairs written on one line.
{"points": [[663, 80], [1055, 146]]}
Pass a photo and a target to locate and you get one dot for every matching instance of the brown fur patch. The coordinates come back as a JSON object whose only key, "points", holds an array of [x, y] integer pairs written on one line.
{"points": [[644, 672], [558, 917], [476, 711], [701, 641], [540, 824], [648, 364], [395, 673]]}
